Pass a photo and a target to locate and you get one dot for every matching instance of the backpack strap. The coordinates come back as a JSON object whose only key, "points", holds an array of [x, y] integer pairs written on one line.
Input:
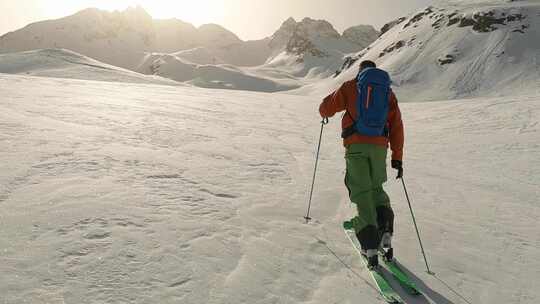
{"points": [[351, 129]]}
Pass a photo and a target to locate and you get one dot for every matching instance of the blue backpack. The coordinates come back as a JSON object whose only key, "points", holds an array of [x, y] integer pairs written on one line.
{"points": [[372, 104]]}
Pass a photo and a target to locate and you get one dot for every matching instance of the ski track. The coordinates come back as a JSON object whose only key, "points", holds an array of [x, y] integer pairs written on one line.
{"points": [[124, 193]]}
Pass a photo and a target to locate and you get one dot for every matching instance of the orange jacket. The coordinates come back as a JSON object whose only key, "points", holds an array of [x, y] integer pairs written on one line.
{"points": [[344, 99]]}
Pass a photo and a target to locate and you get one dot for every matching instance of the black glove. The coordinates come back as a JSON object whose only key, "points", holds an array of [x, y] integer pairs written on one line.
{"points": [[398, 165]]}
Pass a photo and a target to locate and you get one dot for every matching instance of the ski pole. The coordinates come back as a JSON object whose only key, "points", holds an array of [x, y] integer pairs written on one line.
{"points": [[416, 227], [323, 122]]}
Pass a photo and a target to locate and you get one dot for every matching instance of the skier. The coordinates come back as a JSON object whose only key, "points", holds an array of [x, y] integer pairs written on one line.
{"points": [[371, 122]]}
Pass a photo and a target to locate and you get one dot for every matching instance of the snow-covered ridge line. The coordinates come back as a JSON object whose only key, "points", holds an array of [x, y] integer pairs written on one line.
{"points": [[61, 63], [297, 53], [456, 50], [450, 50]]}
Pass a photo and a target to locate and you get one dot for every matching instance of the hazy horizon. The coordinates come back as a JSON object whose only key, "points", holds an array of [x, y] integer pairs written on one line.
{"points": [[248, 19]]}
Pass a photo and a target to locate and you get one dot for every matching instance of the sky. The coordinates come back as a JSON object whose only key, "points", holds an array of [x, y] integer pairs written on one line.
{"points": [[249, 19]]}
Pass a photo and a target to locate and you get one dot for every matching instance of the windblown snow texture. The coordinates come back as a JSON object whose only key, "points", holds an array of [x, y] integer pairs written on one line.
{"points": [[117, 193]]}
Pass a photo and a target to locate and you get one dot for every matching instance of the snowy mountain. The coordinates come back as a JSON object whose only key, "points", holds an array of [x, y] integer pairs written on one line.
{"points": [[117, 38], [314, 48], [298, 52], [450, 50], [457, 50], [362, 35]]}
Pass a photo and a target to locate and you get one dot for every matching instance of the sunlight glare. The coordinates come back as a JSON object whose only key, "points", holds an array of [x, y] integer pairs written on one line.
{"points": [[194, 11]]}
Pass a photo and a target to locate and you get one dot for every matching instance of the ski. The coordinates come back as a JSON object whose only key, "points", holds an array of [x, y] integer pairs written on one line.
{"points": [[402, 278], [385, 290]]}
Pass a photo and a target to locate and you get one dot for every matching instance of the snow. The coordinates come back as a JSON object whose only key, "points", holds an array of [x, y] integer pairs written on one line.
{"points": [[67, 64], [444, 51], [217, 76], [138, 193], [313, 49], [126, 187], [500, 60], [156, 68], [118, 38], [128, 39], [199, 55], [297, 54], [361, 34]]}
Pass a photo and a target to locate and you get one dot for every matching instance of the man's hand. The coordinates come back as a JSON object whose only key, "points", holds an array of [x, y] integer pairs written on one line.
{"points": [[398, 165]]}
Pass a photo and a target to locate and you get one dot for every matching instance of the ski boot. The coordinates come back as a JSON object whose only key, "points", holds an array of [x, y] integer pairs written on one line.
{"points": [[371, 257], [373, 261], [386, 246], [388, 254]]}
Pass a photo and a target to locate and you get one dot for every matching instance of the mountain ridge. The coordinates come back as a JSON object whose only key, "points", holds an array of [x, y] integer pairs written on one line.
{"points": [[134, 26], [303, 51], [455, 51]]}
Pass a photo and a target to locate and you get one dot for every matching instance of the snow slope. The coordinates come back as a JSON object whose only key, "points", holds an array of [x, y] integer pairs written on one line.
{"points": [[67, 64], [456, 49], [120, 38], [162, 194], [217, 76]]}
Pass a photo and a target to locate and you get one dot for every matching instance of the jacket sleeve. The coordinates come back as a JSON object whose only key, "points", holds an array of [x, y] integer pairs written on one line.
{"points": [[397, 137], [333, 103]]}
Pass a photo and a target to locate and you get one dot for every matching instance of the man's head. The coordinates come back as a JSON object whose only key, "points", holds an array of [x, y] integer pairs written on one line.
{"points": [[367, 64]]}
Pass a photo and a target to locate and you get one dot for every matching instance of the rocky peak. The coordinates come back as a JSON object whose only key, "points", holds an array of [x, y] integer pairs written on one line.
{"points": [[362, 35], [286, 29], [134, 17], [281, 37], [308, 28], [289, 23], [391, 24], [317, 28], [298, 37]]}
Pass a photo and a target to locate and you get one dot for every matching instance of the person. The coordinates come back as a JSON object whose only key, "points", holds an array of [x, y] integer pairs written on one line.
{"points": [[366, 152]]}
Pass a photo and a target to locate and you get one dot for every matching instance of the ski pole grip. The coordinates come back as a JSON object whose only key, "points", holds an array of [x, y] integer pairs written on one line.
{"points": [[325, 121]]}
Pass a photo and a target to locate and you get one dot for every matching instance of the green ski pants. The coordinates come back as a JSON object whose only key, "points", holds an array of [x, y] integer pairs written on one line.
{"points": [[366, 173]]}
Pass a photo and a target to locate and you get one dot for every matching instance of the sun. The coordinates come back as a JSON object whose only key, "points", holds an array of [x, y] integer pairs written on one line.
{"points": [[194, 11]]}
